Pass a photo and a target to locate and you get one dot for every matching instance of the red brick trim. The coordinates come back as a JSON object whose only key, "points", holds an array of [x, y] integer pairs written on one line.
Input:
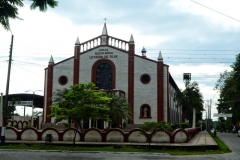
{"points": [[76, 65], [131, 80], [160, 92], [168, 91], [49, 92], [45, 96], [98, 62]]}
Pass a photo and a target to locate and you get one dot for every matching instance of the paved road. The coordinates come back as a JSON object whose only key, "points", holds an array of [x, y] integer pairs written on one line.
{"points": [[230, 139]]}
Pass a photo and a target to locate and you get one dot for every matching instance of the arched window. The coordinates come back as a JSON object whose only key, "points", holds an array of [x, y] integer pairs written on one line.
{"points": [[145, 111], [103, 74]]}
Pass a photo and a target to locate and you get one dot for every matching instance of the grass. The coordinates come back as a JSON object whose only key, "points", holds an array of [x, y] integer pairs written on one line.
{"points": [[221, 145], [222, 148]]}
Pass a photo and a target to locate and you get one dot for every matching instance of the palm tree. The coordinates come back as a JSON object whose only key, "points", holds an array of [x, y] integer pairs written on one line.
{"points": [[59, 95], [193, 99], [119, 108], [42, 4], [179, 99], [9, 9]]}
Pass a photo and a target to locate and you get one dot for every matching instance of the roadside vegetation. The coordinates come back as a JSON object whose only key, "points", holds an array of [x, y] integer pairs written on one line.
{"points": [[222, 148], [221, 145], [144, 149], [228, 86]]}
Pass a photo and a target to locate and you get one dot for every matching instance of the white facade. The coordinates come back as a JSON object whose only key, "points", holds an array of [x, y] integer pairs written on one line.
{"points": [[145, 82]]}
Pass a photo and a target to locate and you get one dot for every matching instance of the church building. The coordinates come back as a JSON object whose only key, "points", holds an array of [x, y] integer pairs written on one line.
{"points": [[113, 65]]}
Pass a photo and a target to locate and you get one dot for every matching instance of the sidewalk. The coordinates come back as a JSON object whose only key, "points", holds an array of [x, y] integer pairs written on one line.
{"points": [[201, 140]]}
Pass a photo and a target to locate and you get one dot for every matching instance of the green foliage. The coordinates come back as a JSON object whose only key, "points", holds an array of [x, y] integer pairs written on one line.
{"points": [[150, 128], [42, 4], [221, 145], [181, 150], [9, 9], [190, 98], [228, 86], [203, 125], [66, 125], [11, 108], [184, 125], [15, 126], [81, 103], [124, 124], [119, 108], [224, 126], [155, 126], [175, 126], [59, 95]]}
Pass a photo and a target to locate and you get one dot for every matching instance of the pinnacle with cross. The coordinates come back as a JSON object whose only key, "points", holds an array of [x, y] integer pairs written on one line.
{"points": [[105, 19]]}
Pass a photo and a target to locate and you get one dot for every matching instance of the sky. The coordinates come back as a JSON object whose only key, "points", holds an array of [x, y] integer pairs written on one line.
{"points": [[200, 37]]}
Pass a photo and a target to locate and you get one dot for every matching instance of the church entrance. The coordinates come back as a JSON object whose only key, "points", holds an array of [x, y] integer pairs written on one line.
{"points": [[104, 76]]}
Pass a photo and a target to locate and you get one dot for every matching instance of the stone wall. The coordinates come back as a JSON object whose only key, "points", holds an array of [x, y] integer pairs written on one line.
{"points": [[96, 135]]}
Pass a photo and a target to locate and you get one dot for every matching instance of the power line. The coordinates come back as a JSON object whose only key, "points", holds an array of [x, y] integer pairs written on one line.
{"points": [[215, 10], [197, 50], [27, 70]]}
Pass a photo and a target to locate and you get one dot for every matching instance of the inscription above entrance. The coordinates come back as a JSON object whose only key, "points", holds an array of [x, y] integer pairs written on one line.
{"points": [[103, 53]]}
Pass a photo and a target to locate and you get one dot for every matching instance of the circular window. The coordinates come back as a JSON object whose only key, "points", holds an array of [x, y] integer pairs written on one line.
{"points": [[63, 80], [145, 78]]}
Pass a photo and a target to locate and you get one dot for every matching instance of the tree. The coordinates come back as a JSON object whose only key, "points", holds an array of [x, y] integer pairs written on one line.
{"points": [[59, 95], [149, 129], [81, 103], [9, 9], [191, 98], [179, 99], [11, 108], [195, 101], [119, 108], [228, 86]]}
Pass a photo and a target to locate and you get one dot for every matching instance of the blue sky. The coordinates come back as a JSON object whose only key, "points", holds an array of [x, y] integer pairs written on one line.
{"points": [[191, 38]]}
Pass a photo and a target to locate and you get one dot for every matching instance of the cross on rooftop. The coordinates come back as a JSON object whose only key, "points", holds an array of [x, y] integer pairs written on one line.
{"points": [[105, 19]]}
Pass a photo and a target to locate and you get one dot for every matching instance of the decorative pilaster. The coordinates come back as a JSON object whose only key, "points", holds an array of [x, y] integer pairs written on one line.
{"points": [[160, 76], [131, 53], [49, 89], [76, 65]]}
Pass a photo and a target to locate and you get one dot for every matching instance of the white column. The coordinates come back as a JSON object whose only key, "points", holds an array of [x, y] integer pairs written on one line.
{"points": [[32, 115], [1, 110], [90, 123], [105, 124], [194, 118]]}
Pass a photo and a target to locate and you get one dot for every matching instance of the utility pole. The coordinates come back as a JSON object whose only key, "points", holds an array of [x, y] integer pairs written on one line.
{"points": [[6, 95], [207, 114], [1, 110], [210, 114]]}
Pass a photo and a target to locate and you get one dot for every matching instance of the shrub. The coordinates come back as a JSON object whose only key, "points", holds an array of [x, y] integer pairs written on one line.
{"points": [[184, 125], [175, 126], [27, 126]]}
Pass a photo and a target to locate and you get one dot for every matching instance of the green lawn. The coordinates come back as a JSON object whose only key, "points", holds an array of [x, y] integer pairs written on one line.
{"points": [[222, 148]]}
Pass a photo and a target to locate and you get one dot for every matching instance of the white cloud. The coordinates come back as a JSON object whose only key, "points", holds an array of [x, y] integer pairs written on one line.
{"points": [[156, 25]]}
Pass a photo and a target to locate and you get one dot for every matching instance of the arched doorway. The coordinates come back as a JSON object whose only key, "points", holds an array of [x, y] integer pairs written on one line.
{"points": [[103, 74]]}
